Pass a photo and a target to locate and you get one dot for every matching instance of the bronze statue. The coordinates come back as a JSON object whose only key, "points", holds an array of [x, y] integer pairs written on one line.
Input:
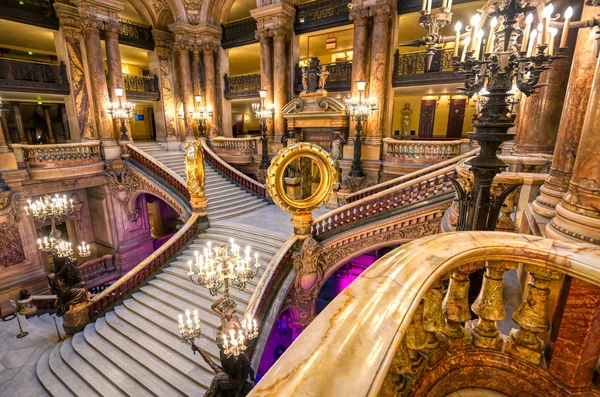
{"points": [[67, 285], [406, 112], [225, 308]]}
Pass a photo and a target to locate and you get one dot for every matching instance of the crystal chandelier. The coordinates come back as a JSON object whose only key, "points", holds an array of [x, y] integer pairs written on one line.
{"points": [[359, 109], [50, 209], [218, 266], [121, 112], [263, 115], [201, 115]]}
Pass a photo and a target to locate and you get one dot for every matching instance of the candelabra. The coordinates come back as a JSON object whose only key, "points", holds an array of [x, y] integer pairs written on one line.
{"points": [[360, 109], [189, 331], [121, 112], [433, 22], [263, 115], [508, 61], [201, 115], [50, 209]]}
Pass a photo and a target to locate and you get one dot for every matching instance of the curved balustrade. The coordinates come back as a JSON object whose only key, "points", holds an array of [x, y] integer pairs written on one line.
{"points": [[407, 150], [235, 146], [137, 276], [394, 318], [242, 180], [170, 177], [59, 155], [404, 178], [95, 269]]}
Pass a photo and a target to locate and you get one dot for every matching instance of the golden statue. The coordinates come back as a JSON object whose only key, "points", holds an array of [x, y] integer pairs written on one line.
{"points": [[194, 168]]}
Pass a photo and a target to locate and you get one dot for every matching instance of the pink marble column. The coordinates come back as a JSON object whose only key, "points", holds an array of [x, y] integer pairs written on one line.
{"points": [[3, 137], [578, 215], [378, 78], [19, 122], [166, 91], [360, 17], [196, 67], [572, 118], [48, 119], [185, 82], [4, 123], [211, 89], [280, 80], [266, 69], [115, 68], [97, 77]]}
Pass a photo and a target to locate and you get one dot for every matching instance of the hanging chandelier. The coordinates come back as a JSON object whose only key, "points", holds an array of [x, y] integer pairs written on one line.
{"points": [[49, 208]]}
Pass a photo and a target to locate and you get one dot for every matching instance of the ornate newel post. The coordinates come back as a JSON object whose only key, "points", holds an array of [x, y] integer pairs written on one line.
{"points": [[195, 178]]}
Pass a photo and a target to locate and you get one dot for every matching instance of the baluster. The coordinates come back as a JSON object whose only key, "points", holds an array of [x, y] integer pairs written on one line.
{"points": [[396, 381], [456, 307], [433, 316], [532, 316], [489, 306], [416, 338]]}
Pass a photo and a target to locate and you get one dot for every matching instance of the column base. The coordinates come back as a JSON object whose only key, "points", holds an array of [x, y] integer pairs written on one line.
{"points": [[173, 144], [572, 227], [8, 161], [110, 149], [545, 204]]}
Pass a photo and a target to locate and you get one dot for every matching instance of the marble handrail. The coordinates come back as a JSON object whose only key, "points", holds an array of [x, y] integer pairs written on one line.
{"points": [[143, 271], [96, 267], [236, 176], [396, 181], [241, 146], [349, 349], [397, 150], [58, 154]]}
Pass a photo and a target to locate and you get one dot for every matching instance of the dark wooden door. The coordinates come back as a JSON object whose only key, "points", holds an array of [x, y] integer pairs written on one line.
{"points": [[456, 118], [427, 118]]}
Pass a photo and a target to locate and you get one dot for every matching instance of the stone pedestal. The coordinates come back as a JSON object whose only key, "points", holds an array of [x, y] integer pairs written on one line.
{"points": [[110, 149]]}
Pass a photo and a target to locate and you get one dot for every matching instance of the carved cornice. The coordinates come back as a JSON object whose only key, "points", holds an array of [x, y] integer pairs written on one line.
{"points": [[359, 14], [274, 20], [383, 9], [163, 40], [186, 35], [68, 16]]}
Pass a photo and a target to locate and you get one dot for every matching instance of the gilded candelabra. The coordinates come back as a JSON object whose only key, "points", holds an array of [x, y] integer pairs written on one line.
{"points": [[201, 115], [121, 112], [263, 115], [433, 22], [360, 109]]}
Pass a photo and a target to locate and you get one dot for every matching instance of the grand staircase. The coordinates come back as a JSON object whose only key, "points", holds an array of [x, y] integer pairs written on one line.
{"points": [[225, 199]]}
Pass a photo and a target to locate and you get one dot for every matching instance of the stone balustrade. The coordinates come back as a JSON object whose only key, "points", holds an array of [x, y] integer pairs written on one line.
{"points": [[97, 271], [420, 152], [37, 77], [235, 146], [432, 345]]}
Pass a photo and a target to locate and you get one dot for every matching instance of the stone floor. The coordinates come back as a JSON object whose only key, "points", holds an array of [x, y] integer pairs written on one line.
{"points": [[18, 359]]}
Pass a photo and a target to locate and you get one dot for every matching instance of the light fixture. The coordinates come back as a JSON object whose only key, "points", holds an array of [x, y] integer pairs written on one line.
{"points": [[50, 209], [201, 114], [359, 109], [121, 112], [263, 115]]}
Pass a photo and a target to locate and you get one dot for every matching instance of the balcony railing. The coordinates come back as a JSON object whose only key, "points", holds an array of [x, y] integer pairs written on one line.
{"points": [[239, 33], [419, 151], [409, 68], [240, 146], [136, 34], [33, 12], [141, 87], [322, 14], [340, 77], [242, 86], [96, 271], [59, 155], [25, 76]]}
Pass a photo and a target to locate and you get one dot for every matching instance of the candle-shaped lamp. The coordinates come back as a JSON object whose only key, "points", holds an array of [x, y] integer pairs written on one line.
{"points": [[457, 29], [565, 30], [546, 16], [465, 48], [490, 40], [532, 41], [553, 33], [474, 27], [526, 33]]}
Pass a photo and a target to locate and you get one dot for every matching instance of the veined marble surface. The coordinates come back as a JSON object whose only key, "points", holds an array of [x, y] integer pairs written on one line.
{"points": [[359, 332]]}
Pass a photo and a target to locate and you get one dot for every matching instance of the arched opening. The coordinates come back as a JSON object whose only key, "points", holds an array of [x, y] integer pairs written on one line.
{"points": [[163, 219]]}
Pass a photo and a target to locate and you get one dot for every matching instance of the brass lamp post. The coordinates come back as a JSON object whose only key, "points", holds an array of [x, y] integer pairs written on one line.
{"points": [[360, 109], [263, 115], [121, 112], [201, 115]]}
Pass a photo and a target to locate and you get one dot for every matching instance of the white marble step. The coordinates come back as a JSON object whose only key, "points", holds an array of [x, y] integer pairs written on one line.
{"points": [[230, 199], [191, 375], [105, 368], [49, 319], [254, 241], [71, 380], [226, 214], [35, 321], [234, 191], [49, 381], [86, 372], [134, 368]]}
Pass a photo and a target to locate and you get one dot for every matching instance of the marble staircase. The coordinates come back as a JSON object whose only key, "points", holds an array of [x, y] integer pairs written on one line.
{"points": [[135, 349], [225, 199]]}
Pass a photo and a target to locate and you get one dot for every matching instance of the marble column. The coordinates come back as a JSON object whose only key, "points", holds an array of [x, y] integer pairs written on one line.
{"points": [[572, 118], [115, 69], [97, 78], [65, 121], [48, 119], [196, 67], [4, 125], [19, 123], [3, 138], [166, 94], [266, 69], [210, 83], [185, 82], [378, 77], [360, 17], [280, 81], [578, 215]]}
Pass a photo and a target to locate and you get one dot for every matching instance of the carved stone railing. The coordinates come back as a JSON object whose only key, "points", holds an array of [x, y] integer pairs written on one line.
{"points": [[235, 146], [157, 243], [96, 269], [170, 177], [242, 86], [398, 151], [409, 68], [25, 76], [321, 14], [396, 331], [239, 33], [404, 178], [340, 77], [58, 155], [140, 274], [231, 173]]}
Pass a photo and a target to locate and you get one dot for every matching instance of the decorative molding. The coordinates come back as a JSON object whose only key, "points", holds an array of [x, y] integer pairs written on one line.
{"points": [[123, 183], [12, 249]]}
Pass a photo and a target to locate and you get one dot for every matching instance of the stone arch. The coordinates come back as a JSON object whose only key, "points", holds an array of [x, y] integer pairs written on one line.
{"points": [[144, 11]]}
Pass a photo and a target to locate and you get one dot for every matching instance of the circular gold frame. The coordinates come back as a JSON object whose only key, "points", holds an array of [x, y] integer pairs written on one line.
{"points": [[283, 159]]}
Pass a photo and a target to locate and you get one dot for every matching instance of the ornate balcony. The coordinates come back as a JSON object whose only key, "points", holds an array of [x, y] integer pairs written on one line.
{"points": [[135, 34], [24, 76], [32, 12], [340, 77], [236, 151], [402, 157], [322, 14], [409, 69], [239, 33], [141, 87], [242, 86]]}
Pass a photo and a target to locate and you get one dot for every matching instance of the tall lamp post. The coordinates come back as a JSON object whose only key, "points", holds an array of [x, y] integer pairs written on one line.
{"points": [[263, 115], [201, 115], [360, 109], [121, 112]]}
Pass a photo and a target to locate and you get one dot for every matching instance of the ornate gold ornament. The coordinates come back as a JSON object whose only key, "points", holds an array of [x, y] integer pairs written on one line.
{"points": [[195, 175], [301, 209]]}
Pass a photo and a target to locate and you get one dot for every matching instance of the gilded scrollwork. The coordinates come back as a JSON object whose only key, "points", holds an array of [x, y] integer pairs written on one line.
{"points": [[123, 183], [194, 168]]}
